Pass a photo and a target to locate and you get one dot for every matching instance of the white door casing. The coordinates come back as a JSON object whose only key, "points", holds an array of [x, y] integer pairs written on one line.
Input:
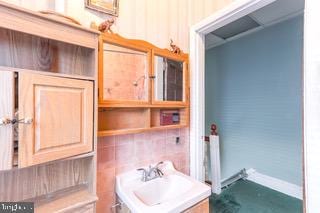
{"points": [[234, 11], [311, 91]]}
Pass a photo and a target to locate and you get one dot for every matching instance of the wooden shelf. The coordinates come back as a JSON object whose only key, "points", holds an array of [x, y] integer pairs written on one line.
{"points": [[164, 106], [138, 130], [130, 120], [65, 200], [175, 126], [103, 133], [26, 51]]}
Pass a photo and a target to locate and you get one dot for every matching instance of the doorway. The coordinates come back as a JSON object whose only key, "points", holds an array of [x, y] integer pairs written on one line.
{"points": [[199, 31]]}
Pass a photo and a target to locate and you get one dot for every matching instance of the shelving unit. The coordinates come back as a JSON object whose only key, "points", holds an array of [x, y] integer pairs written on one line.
{"points": [[136, 120], [50, 160], [117, 74]]}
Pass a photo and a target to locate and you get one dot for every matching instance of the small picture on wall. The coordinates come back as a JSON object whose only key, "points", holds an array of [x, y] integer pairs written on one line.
{"points": [[110, 7]]}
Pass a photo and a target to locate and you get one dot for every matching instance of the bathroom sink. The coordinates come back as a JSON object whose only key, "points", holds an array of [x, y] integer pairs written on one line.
{"points": [[173, 192], [162, 189]]}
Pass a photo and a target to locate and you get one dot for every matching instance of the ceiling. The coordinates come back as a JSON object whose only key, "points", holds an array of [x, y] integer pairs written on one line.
{"points": [[276, 12]]}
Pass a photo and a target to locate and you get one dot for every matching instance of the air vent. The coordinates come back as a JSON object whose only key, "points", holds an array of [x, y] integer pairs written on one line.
{"points": [[237, 27]]}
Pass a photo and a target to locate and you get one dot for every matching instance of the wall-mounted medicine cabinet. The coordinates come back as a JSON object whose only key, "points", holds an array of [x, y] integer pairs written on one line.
{"points": [[138, 82]]}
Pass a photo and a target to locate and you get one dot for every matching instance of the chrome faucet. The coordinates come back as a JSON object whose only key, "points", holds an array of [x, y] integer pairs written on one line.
{"points": [[151, 173]]}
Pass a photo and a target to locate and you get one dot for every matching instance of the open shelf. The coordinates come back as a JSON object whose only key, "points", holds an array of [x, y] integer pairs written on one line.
{"points": [[170, 117], [26, 51], [119, 121], [64, 200]]}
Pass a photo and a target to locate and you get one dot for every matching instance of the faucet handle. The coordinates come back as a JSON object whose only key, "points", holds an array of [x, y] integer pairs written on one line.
{"points": [[144, 174], [160, 173], [157, 170]]}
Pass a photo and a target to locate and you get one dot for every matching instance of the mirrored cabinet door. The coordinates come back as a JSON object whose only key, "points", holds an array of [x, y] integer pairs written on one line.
{"points": [[125, 74], [169, 78]]}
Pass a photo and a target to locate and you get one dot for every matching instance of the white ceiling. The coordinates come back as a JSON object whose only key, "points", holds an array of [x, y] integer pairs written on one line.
{"points": [[271, 14]]}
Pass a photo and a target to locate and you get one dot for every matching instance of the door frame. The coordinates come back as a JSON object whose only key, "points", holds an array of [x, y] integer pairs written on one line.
{"points": [[232, 12], [311, 92]]}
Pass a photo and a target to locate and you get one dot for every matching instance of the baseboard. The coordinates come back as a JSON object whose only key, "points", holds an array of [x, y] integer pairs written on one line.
{"points": [[275, 184]]}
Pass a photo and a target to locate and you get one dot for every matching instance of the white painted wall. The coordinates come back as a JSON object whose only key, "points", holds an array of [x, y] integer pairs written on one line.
{"points": [[153, 20], [312, 106]]}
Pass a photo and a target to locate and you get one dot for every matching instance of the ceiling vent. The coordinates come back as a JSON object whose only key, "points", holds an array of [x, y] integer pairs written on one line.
{"points": [[239, 26]]}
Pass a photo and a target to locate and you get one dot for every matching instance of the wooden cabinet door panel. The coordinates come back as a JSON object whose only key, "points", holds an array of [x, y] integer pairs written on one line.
{"points": [[62, 113]]}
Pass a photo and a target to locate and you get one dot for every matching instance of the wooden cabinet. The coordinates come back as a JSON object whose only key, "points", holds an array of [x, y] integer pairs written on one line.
{"points": [[62, 114], [139, 85], [54, 118], [201, 207], [48, 111]]}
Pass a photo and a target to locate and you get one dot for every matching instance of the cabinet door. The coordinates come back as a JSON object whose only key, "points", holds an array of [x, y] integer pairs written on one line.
{"points": [[170, 81], [124, 75], [6, 112], [62, 113]]}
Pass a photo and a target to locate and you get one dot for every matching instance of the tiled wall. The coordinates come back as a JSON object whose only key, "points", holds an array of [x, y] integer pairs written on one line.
{"points": [[117, 154]]}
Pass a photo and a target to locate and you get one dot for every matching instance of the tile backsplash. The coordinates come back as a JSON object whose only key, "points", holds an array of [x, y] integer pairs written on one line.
{"points": [[117, 154]]}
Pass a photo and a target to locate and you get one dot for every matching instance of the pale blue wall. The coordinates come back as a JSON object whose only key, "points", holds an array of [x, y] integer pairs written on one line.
{"points": [[254, 94]]}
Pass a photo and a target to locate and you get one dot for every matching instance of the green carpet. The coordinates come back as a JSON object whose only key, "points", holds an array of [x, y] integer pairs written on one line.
{"points": [[247, 197]]}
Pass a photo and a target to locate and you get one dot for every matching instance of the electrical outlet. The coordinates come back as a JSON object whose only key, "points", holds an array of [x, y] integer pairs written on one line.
{"points": [[177, 140]]}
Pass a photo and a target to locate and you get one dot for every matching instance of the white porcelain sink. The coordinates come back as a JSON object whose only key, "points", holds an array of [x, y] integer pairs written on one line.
{"points": [[163, 189], [174, 192]]}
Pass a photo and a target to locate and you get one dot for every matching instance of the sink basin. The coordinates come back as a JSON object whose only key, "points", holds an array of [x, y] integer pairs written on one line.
{"points": [[174, 192], [162, 189]]}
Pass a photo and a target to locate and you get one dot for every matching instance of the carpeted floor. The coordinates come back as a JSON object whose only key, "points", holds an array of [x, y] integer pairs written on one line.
{"points": [[247, 197]]}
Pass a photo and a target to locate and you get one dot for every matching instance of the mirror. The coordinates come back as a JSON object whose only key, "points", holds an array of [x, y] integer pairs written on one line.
{"points": [[125, 73], [168, 79]]}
